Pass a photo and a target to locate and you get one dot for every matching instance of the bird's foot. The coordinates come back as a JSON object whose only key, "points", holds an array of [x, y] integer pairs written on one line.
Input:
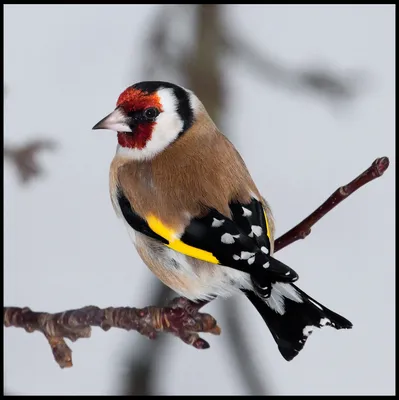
{"points": [[183, 319]]}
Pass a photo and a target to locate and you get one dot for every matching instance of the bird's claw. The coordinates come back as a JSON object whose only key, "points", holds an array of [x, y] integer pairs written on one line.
{"points": [[183, 319]]}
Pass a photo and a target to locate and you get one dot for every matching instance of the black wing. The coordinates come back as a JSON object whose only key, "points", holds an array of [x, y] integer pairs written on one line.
{"points": [[241, 242]]}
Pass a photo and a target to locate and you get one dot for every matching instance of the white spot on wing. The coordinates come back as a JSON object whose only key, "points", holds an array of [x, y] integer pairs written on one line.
{"points": [[265, 250], [266, 265], [287, 273], [257, 230], [235, 257], [246, 212], [228, 239], [246, 254], [217, 223], [251, 260]]}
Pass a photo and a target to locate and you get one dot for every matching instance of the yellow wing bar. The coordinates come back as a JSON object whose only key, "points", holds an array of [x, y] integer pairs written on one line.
{"points": [[267, 225], [176, 244]]}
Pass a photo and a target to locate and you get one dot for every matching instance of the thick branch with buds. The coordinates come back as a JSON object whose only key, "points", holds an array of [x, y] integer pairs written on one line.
{"points": [[181, 318]]}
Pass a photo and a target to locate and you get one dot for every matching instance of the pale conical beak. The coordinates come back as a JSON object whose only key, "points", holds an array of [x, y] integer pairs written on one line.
{"points": [[116, 121]]}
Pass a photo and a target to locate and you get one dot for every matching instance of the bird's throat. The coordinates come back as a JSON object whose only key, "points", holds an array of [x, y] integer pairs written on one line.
{"points": [[136, 140]]}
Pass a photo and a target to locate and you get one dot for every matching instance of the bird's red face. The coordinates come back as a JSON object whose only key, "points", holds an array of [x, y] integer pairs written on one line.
{"points": [[143, 109], [148, 117]]}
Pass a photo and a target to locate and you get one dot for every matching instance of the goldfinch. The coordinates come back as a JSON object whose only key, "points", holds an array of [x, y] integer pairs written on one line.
{"points": [[195, 215]]}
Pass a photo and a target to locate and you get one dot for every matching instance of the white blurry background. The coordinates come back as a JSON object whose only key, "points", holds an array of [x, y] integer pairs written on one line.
{"points": [[65, 65]]}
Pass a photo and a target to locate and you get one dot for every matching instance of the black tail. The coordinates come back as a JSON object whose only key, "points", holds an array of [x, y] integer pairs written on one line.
{"points": [[291, 315]]}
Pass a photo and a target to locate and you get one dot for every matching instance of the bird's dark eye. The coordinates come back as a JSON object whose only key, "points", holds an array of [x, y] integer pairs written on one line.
{"points": [[151, 113]]}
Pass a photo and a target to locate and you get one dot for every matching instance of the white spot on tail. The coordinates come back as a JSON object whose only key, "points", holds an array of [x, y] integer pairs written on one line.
{"points": [[246, 212], [276, 303], [265, 250], [257, 230], [280, 292], [217, 223], [251, 260], [228, 239], [246, 254], [324, 321], [266, 265], [307, 330]]}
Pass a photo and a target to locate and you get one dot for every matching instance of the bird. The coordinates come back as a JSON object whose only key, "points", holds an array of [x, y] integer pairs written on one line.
{"points": [[195, 215]]}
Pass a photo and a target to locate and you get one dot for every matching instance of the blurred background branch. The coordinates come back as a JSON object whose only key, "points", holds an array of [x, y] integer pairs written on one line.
{"points": [[329, 85], [25, 158]]}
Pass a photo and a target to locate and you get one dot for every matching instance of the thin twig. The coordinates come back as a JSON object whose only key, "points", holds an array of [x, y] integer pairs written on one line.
{"points": [[303, 229], [182, 318]]}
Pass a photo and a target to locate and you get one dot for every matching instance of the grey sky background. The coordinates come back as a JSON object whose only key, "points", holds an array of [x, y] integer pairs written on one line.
{"points": [[64, 247]]}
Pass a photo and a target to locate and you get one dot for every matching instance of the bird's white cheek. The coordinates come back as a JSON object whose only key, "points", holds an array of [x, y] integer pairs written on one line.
{"points": [[166, 130]]}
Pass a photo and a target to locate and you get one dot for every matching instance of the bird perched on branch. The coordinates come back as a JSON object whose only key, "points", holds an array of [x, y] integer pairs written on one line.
{"points": [[195, 215]]}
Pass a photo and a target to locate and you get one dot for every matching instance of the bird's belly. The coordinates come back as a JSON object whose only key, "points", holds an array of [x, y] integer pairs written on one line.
{"points": [[189, 277]]}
